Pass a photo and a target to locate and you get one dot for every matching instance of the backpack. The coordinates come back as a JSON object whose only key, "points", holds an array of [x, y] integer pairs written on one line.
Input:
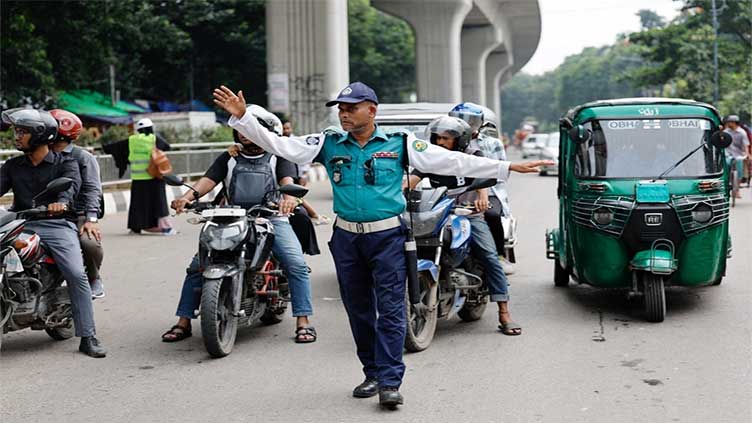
{"points": [[250, 180]]}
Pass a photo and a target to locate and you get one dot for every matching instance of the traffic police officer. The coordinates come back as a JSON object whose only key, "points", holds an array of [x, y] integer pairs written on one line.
{"points": [[365, 166]]}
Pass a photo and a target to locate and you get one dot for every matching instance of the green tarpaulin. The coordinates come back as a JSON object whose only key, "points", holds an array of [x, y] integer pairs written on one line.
{"points": [[92, 103]]}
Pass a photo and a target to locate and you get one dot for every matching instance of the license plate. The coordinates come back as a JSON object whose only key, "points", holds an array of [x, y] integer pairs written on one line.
{"points": [[653, 219]]}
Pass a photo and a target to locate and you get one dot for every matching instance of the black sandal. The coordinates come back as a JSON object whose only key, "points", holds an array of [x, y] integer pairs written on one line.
{"points": [[305, 335], [178, 332]]}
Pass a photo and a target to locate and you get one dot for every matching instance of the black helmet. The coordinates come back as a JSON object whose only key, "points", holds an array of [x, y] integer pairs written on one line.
{"points": [[455, 126], [42, 125]]}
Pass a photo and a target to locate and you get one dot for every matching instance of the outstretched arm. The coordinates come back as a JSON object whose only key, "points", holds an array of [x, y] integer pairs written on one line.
{"points": [[299, 150]]}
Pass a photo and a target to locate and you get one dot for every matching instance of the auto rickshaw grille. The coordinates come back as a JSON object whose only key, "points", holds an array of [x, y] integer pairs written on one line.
{"points": [[684, 204], [583, 207]]}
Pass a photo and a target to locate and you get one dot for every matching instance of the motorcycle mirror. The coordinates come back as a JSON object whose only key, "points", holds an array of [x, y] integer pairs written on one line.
{"points": [[580, 134], [173, 180], [296, 191], [55, 186], [720, 139]]}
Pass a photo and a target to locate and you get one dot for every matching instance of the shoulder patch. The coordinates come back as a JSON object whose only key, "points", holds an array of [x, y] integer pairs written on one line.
{"points": [[419, 146], [313, 140]]}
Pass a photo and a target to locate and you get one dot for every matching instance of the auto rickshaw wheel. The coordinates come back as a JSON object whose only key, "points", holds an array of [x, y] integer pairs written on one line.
{"points": [[561, 276], [655, 297]]}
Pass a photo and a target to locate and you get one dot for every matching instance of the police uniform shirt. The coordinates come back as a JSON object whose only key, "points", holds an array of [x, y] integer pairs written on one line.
{"points": [[367, 181]]}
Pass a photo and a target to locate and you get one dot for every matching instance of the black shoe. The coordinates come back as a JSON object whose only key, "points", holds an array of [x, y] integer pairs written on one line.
{"points": [[390, 398], [90, 346], [367, 389]]}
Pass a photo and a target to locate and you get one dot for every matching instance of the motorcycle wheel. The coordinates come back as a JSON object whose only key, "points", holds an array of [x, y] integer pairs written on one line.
{"points": [[271, 317], [63, 333], [218, 326], [421, 322], [655, 298], [472, 312]]}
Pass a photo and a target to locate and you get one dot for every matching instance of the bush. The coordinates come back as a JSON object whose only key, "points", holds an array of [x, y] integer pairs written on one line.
{"points": [[112, 134]]}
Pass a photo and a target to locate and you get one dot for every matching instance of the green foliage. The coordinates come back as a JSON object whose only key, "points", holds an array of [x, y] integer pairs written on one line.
{"points": [[114, 133], [6, 139], [679, 57], [382, 52], [593, 74], [650, 20], [218, 134]]}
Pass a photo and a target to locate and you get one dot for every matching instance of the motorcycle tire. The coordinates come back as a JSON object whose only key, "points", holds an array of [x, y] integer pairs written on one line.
{"points": [[219, 327], [655, 298], [61, 334], [420, 333], [472, 312]]}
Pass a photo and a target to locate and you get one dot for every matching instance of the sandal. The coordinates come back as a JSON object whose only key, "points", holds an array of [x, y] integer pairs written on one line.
{"points": [[509, 328], [176, 333], [305, 335]]}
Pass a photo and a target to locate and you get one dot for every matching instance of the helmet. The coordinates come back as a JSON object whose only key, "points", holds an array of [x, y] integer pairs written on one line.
{"points": [[455, 126], [41, 124], [144, 123], [266, 118], [731, 118], [470, 113], [69, 126]]}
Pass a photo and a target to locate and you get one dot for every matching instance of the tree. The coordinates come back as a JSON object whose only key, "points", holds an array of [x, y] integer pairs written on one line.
{"points": [[650, 20]]}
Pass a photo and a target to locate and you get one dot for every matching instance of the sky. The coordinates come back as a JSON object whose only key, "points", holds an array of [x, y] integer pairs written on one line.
{"points": [[568, 26]]}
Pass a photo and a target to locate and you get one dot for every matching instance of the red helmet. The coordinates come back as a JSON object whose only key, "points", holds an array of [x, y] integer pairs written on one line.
{"points": [[69, 125]]}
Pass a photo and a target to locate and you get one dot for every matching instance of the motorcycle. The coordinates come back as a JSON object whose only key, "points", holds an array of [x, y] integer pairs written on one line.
{"points": [[243, 283], [450, 280], [32, 291]]}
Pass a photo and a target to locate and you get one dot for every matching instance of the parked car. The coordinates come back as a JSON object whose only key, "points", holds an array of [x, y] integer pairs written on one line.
{"points": [[550, 151], [532, 145]]}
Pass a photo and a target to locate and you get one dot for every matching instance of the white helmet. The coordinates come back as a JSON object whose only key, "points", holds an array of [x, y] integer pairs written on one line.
{"points": [[144, 123], [266, 118]]}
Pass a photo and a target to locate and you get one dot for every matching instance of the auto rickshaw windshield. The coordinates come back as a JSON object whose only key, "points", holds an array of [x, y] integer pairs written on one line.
{"points": [[643, 148]]}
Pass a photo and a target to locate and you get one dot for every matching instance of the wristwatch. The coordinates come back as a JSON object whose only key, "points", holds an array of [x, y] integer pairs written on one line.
{"points": [[92, 219]]}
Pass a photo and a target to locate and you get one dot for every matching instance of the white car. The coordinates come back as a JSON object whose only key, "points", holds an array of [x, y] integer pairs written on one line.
{"points": [[532, 145], [550, 151]]}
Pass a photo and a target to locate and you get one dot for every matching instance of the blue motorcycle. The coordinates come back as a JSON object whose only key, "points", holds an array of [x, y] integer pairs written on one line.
{"points": [[451, 282]]}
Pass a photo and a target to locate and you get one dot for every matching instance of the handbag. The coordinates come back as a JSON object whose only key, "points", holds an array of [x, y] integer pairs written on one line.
{"points": [[159, 164]]}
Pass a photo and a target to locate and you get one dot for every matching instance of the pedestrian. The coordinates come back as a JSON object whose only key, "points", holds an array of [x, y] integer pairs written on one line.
{"points": [[148, 212], [88, 201], [366, 166]]}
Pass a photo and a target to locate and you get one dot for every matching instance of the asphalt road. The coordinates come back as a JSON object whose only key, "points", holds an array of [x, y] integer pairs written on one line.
{"points": [[585, 355]]}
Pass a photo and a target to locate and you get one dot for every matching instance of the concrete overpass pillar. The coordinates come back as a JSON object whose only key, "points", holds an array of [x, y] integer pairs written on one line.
{"points": [[437, 25], [477, 44], [497, 64], [308, 61]]}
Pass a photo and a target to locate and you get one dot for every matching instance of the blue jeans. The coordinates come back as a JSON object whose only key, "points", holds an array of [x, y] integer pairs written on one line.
{"points": [[61, 238], [286, 249], [483, 249]]}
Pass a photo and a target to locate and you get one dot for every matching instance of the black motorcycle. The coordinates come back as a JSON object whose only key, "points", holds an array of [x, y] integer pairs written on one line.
{"points": [[32, 291], [243, 283]]}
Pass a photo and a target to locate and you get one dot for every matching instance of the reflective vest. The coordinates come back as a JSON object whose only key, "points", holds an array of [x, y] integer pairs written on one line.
{"points": [[140, 147]]}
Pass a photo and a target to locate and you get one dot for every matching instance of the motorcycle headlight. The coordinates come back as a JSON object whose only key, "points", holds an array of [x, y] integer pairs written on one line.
{"points": [[603, 216], [223, 237], [702, 213]]}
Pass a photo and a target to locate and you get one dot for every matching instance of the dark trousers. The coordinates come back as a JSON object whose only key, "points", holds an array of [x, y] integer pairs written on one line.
{"points": [[371, 274], [493, 218]]}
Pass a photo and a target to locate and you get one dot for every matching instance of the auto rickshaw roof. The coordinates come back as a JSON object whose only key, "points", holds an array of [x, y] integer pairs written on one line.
{"points": [[641, 107]]}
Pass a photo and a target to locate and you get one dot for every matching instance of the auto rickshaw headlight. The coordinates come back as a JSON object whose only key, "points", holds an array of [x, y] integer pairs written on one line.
{"points": [[702, 213], [603, 216]]}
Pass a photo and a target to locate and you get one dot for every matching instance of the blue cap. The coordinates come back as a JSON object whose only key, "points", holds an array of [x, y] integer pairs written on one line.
{"points": [[355, 93]]}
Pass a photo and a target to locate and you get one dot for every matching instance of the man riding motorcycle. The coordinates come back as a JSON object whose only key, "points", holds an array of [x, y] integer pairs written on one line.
{"points": [[454, 133], [27, 176], [286, 247], [88, 201]]}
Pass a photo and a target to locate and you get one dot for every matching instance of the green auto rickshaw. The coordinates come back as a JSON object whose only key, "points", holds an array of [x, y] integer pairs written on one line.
{"points": [[643, 198]]}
